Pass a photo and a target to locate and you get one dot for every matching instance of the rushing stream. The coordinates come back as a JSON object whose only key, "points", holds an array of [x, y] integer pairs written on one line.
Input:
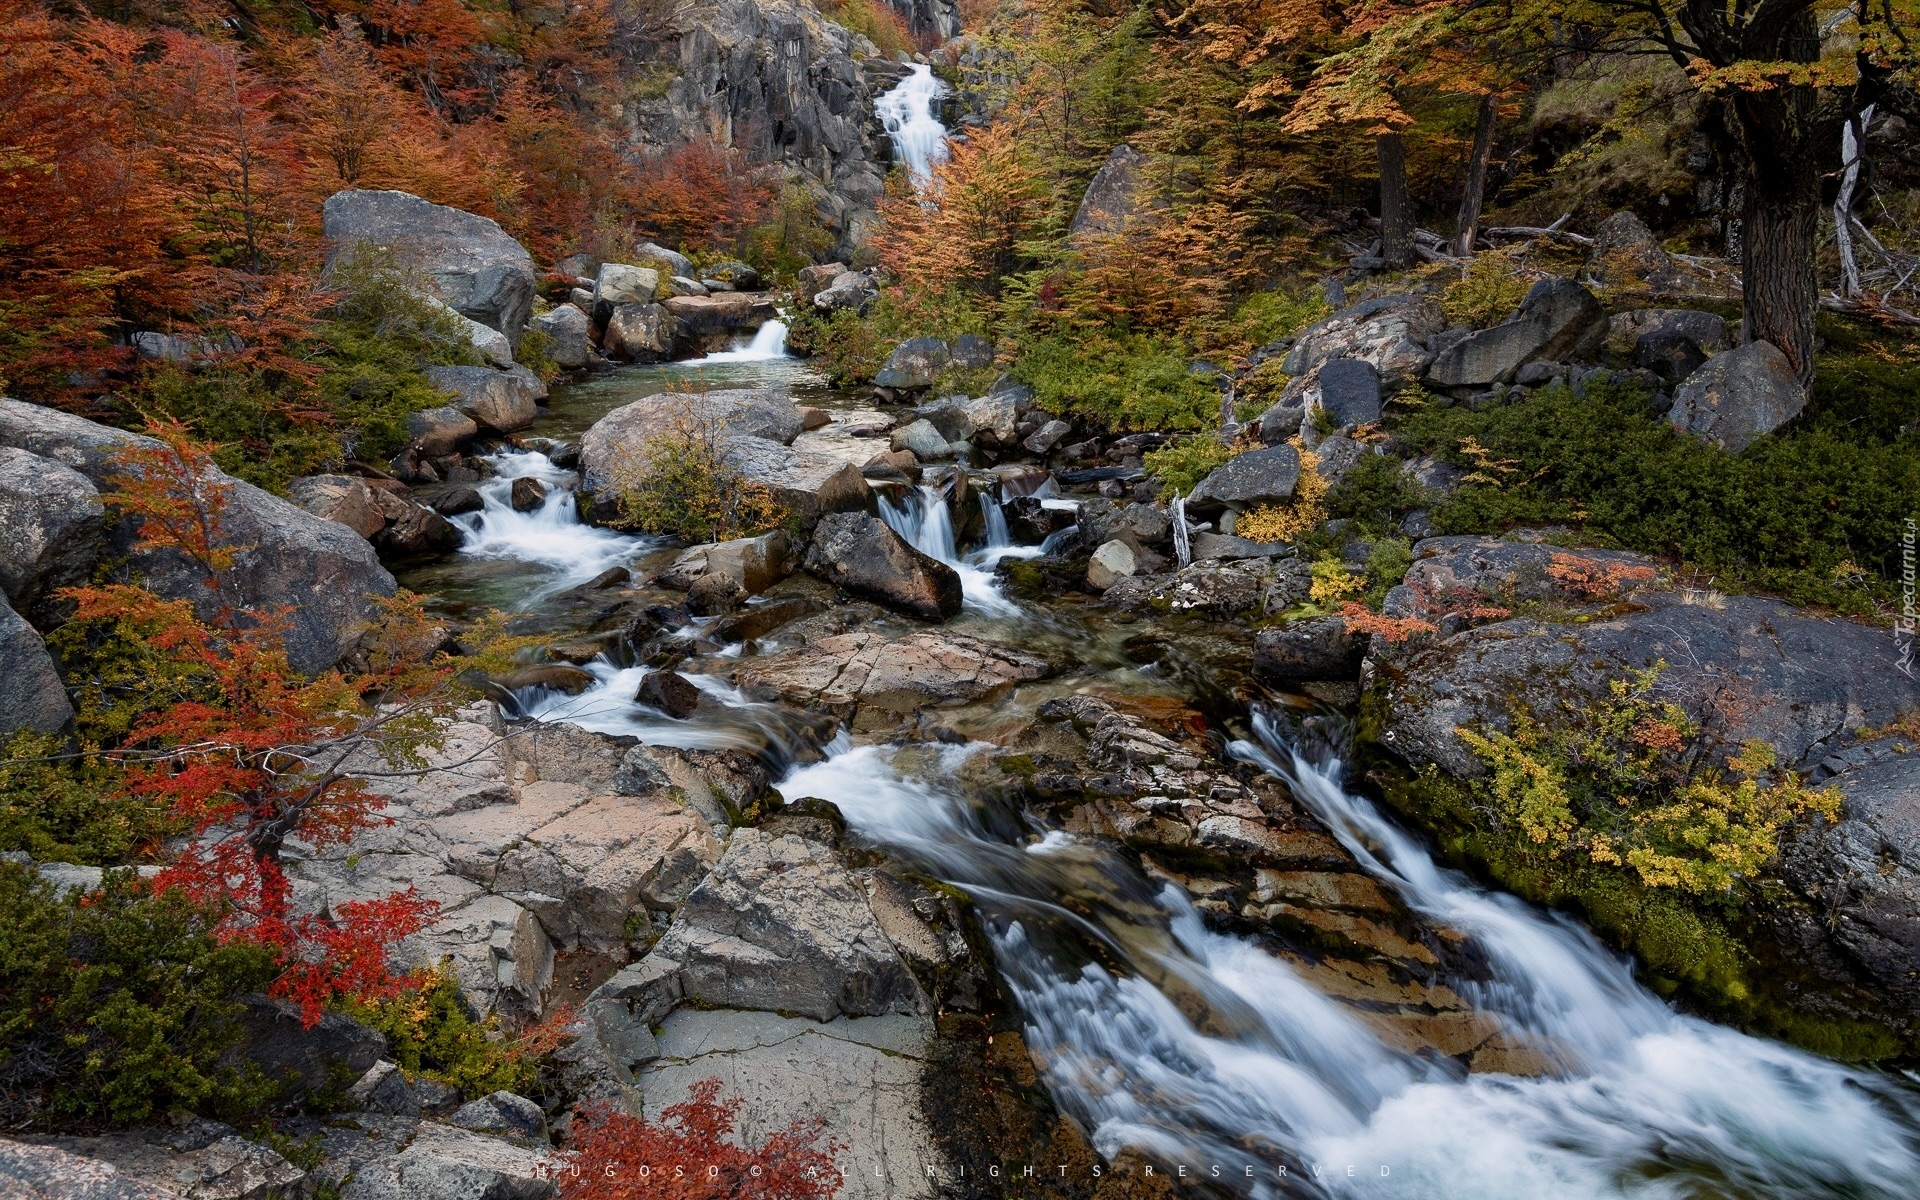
{"points": [[1202, 1048], [909, 113]]}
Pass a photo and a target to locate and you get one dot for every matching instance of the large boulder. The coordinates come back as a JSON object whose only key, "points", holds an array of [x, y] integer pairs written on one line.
{"points": [[33, 697], [913, 364], [475, 266], [1559, 321], [1625, 254], [1704, 329], [1394, 333], [494, 400], [621, 283], [755, 563], [438, 431], [807, 483], [865, 669], [1477, 575], [1112, 198], [1316, 649], [667, 262], [52, 529], [1348, 393], [703, 324], [325, 576], [849, 289], [639, 333], [1257, 477], [1738, 396], [202, 1159], [41, 1172], [567, 331], [862, 553], [623, 435], [343, 498], [306, 1059]]}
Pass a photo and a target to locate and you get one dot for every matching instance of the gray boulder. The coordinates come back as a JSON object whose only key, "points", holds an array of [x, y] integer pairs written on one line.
{"points": [[438, 431], [308, 1058], [1706, 330], [733, 273], [1559, 321], [1349, 392], [284, 556], [807, 483], [34, 697], [923, 439], [476, 267], [52, 530], [622, 283], [1281, 421], [1111, 562], [703, 324], [854, 674], [566, 329], [495, 400], [444, 1163], [503, 1114], [623, 435], [1047, 436], [863, 554], [1671, 356], [1394, 333], [668, 262], [1315, 649], [201, 1159], [1257, 477], [1112, 197], [343, 498], [816, 278], [973, 352], [849, 289], [42, 1172], [639, 333], [1738, 396], [913, 364], [995, 415]]}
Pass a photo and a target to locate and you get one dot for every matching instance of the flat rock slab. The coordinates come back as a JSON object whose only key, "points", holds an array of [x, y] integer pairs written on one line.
{"points": [[860, 1075], [867, 669], [444, 1163]]}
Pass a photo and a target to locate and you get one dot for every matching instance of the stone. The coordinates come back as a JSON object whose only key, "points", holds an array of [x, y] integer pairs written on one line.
{"points": [[385, 1088], [1318, 648], [527, 494], [849, 290], [42, 1172], [669, 262], [812, 418], [1045, 438], [865, 668], [34, 697], [670, 692], [807, 483], [1671, 356], [680, 285], [440, 431], [1112, 198], [567, 331], [1222, 547], [640, 333], [1706, 330], [1738, 396], [922, 440], [1559, 321], [325, 573], [622, 283], [818, 277], [755, 563], [343, 498], [560, 677], [948, 418], [52, 531], [200, 1160], [445, 1163], [707, 323], [493, 399], [487, 342], [409, 529], [162, 347], [1451, 574], [1111, 562], [623, 435], [503, 1114], [475, 266], [1349, 392], [972, 352], [1282, 421], [1626, 254], [308, 1059], [1250, 587], [1393, 333], [1141, 526], [861, 553], [1335, 456], [734, 272], [1256, 477], [994, 415], [913, 364]]}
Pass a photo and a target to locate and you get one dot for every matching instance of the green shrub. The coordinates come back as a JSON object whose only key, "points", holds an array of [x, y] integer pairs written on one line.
{"points": [[850, 347], [430, 1032], [60, 808], [1813, 515], [1376, 493], [1488, 292], [681, 485], [1268, 316], [1182, 464], [118, 1010], [1135, 381]]}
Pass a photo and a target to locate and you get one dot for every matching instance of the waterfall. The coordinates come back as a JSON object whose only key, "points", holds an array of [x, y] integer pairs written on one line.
{"points": [[769, 344], [925, 520], [551, 537], [907, 111]]}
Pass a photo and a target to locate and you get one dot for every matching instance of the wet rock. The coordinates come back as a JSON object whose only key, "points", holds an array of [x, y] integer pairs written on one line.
{"points": [[475, 267], [284, 555], [438, 431], [864, 668], [1259, 587], [1111, 562], [814, 418], [1319, 648], [561, 677], [493, 399], [567, 332], [706, 323], [713, 594], [807, 483], [1559, 321], [670, 692], [1047, 436], [411, 530], [1257, 477], [1393, 333], [913, 364], [444, 1163], [760, 620], [638, 333], [503, 1114], [1112, 197], [861, 553], [1738, 396], [52, 531], [1706, 330], [622, 283], [922, 440], [527, 494]]}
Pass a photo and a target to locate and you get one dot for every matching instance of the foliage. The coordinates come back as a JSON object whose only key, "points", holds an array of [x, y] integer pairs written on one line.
{"points": [[1624, 784], [681, 484], [430, 1032], [117, 1006], [1375, 493], [1782, 516], [1134, 381], [966, 229], [1489, 289], [874, 20], [624, 1157], [57, 807], [1180, 465], [1267, 316], [850, 347], [1295, 518]]}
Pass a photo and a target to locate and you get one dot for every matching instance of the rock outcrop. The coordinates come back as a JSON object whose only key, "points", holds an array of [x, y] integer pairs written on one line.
{"points": [[861, 553], [1738, 396], [621, 438], [34, 697], [866, 669]]}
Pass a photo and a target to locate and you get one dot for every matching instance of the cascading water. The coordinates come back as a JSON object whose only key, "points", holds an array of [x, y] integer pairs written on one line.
{"points": [[551, 537], [1645, 1102], [769, 344], [925, 519], [908, 113]]}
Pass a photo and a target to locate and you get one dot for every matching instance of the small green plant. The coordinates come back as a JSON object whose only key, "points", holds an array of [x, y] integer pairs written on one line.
{"points": [[1136, 381], [430, 1032], [1265, 317], [1182, 464], [534, 353], [682, 485], [1487, 292]]}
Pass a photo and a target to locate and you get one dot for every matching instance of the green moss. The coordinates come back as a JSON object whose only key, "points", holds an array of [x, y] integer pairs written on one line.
{"points": [[1182, 464]]}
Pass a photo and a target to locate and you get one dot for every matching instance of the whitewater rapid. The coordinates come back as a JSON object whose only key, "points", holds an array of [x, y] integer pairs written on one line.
{"points": [[909, 112]]}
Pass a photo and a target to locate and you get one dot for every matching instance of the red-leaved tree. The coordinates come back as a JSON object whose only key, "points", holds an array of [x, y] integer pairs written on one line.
{"points": [[688, 1155]]}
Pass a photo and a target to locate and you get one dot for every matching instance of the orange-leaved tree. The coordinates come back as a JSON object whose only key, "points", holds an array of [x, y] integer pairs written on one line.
{"points": [[690, 1154], [963, 232], [247, 754]]}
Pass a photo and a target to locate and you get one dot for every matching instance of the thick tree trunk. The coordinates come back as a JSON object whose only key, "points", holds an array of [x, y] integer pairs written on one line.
{"points": [[1396, 207], [1467, 229]]}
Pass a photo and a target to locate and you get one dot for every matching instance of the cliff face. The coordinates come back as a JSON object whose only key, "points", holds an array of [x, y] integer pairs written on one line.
{"points": [[778, 81]]}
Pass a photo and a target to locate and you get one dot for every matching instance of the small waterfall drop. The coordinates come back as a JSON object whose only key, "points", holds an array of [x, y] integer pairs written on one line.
{"points": [[908, 112], [925, 520], [552, 536], [769, 344]]}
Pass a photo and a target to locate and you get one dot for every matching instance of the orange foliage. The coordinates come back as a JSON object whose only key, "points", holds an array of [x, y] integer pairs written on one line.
{"points": [[1360, 619], [689, 1155], [1598, 579], [964, 229], [696, 194]]}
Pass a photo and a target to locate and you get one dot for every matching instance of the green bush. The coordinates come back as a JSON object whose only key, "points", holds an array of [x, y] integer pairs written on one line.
{"points": [[1135, 381], [850, 347], [1182, 464], [1813, 515], [1376, 493], [1267, 316], [119, 1009], [60, 808], [682, 486], [429, 1031]]}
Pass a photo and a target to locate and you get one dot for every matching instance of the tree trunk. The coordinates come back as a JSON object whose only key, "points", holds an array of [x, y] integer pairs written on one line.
{"points": [[1396, 207], [1467, 229]]}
